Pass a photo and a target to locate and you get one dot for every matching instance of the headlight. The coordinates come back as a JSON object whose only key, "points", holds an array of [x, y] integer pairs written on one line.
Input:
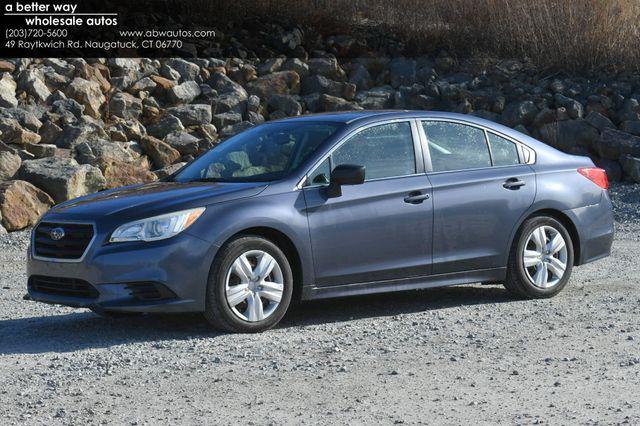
{"points": [[157, 227]]}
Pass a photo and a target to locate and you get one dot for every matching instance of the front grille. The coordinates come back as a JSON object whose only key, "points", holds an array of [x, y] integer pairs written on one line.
{"points": [[62, 287], [149, 291], [70, 247]]}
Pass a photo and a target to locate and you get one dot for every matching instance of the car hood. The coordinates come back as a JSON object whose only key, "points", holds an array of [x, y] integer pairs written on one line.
{"points": [[154, 198]]}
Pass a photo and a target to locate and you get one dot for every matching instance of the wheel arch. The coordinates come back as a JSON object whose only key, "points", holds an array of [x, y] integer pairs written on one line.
{"points": [[285, 244], [564, 220]]}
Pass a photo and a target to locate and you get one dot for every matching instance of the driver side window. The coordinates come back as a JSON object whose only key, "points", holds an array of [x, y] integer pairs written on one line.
{"points": [[384, 151]]}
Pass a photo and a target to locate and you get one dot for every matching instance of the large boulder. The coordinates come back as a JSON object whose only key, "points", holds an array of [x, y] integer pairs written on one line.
{"points": [[185, 143], [161, 153], [522, 112], [332, 103], [87, 93], [82, 131], [184, 93], [125, 105], [631, 167], [614, 144], [192, 115], [327, 67], [123, 174], [103, 153], [318, 84], [164, 126], [22, 204], [8, 91], [13, 132], [9, 165], [281, 83], [32, 82], [567, 134], [62, 178]]}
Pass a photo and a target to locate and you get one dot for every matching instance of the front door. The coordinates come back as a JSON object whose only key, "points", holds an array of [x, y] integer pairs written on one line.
{"points": [[381, 229]]}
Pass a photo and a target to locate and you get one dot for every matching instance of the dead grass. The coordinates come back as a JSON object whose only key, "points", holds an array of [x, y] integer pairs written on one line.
{"points": [[561, 34]]}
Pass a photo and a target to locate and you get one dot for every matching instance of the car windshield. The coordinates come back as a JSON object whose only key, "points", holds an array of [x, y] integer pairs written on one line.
{"points": [[262, 154]]}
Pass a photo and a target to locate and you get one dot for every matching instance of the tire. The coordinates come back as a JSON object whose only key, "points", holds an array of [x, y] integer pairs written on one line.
{"points": [[536, 273], [229, 276]]}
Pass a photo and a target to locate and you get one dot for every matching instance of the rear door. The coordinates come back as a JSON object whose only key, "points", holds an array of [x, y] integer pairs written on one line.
{"points": [[481, 188], [373, 231]]}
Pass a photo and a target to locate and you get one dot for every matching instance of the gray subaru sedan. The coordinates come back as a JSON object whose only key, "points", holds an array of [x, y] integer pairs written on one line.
{"points": [[326, 206]]}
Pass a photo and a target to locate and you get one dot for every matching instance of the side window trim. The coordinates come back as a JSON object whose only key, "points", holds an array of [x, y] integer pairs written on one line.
{"points": [[417, 151], [427, 153]]}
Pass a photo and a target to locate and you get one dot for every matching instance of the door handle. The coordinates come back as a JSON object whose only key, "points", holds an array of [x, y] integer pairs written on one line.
{"points": [[416, 197], [513, 183]]}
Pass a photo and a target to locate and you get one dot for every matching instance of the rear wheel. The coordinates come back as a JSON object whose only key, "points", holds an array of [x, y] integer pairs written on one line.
{"points": [[250, 286], [541, 259]]}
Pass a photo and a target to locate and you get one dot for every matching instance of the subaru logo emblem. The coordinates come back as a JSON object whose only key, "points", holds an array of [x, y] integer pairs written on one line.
{"points": [[57, 234]]}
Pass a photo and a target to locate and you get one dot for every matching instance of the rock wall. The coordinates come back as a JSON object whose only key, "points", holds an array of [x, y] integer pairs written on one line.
{"points": [[71, 127]]}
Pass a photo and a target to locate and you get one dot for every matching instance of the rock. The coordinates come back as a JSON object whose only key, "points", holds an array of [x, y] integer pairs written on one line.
{"points": [[402, 72], [13, 133], [188, 71], [573, 107], [103, 153], [184, 93], [164, 126], [285, 103], [8, 91], [281, 83], [234, 129], [83, 131], [125, 105], [318, 84], [6, 66], [32, 82], [49, 132], [567, 134], [41, 150], [613, 144], [611, 167], [161, 153], [226, 119], [185, 143], [327, 67], [360, 76], [26, 118], [599, 121], [87, 93], [22, 204], [146, 84], [295, 64], [67, 106], [62, 178], [632, 127], [378, 98], [123, 174], [162, 84], [9, 165], [192, 115], [522, 112], [269, 66], [631, 167], [332, 103], [167, 171]]}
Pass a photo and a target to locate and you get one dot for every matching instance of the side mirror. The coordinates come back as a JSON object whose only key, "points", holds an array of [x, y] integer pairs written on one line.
{"points": [[344, 174]]}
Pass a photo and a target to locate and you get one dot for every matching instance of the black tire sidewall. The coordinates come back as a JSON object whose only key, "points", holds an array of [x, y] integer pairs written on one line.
{"points": [[216, 298], [528, 227]]}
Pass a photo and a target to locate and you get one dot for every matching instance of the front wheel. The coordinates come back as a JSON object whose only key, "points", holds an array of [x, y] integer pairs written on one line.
{"points": [[250, 286], [541, 259]]}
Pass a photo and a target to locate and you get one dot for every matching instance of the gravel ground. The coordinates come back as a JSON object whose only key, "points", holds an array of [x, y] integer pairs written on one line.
{"points": [[454, 355]]}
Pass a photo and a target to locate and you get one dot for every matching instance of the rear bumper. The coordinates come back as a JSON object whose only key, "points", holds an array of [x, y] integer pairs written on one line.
{"points": [[594, 225], [178, 267]]}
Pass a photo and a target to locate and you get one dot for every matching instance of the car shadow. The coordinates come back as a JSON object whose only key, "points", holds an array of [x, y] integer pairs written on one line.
{"points": [[85, 330]]}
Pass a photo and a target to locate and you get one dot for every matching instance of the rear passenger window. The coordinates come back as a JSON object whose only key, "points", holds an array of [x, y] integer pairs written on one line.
{"points": [[384, 151], [503, 151], [455, 146]]}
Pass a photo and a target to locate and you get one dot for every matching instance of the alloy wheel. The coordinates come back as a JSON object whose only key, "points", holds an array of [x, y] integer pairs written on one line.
{"points": [[545, 257], [254, 286]]}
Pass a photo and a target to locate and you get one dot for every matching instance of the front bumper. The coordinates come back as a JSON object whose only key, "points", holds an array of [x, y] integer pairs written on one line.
{"points": [[180, 265], [594, 225]]}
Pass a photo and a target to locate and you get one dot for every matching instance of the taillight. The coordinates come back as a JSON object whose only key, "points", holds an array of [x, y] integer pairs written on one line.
{"points": [[595, 175]]}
